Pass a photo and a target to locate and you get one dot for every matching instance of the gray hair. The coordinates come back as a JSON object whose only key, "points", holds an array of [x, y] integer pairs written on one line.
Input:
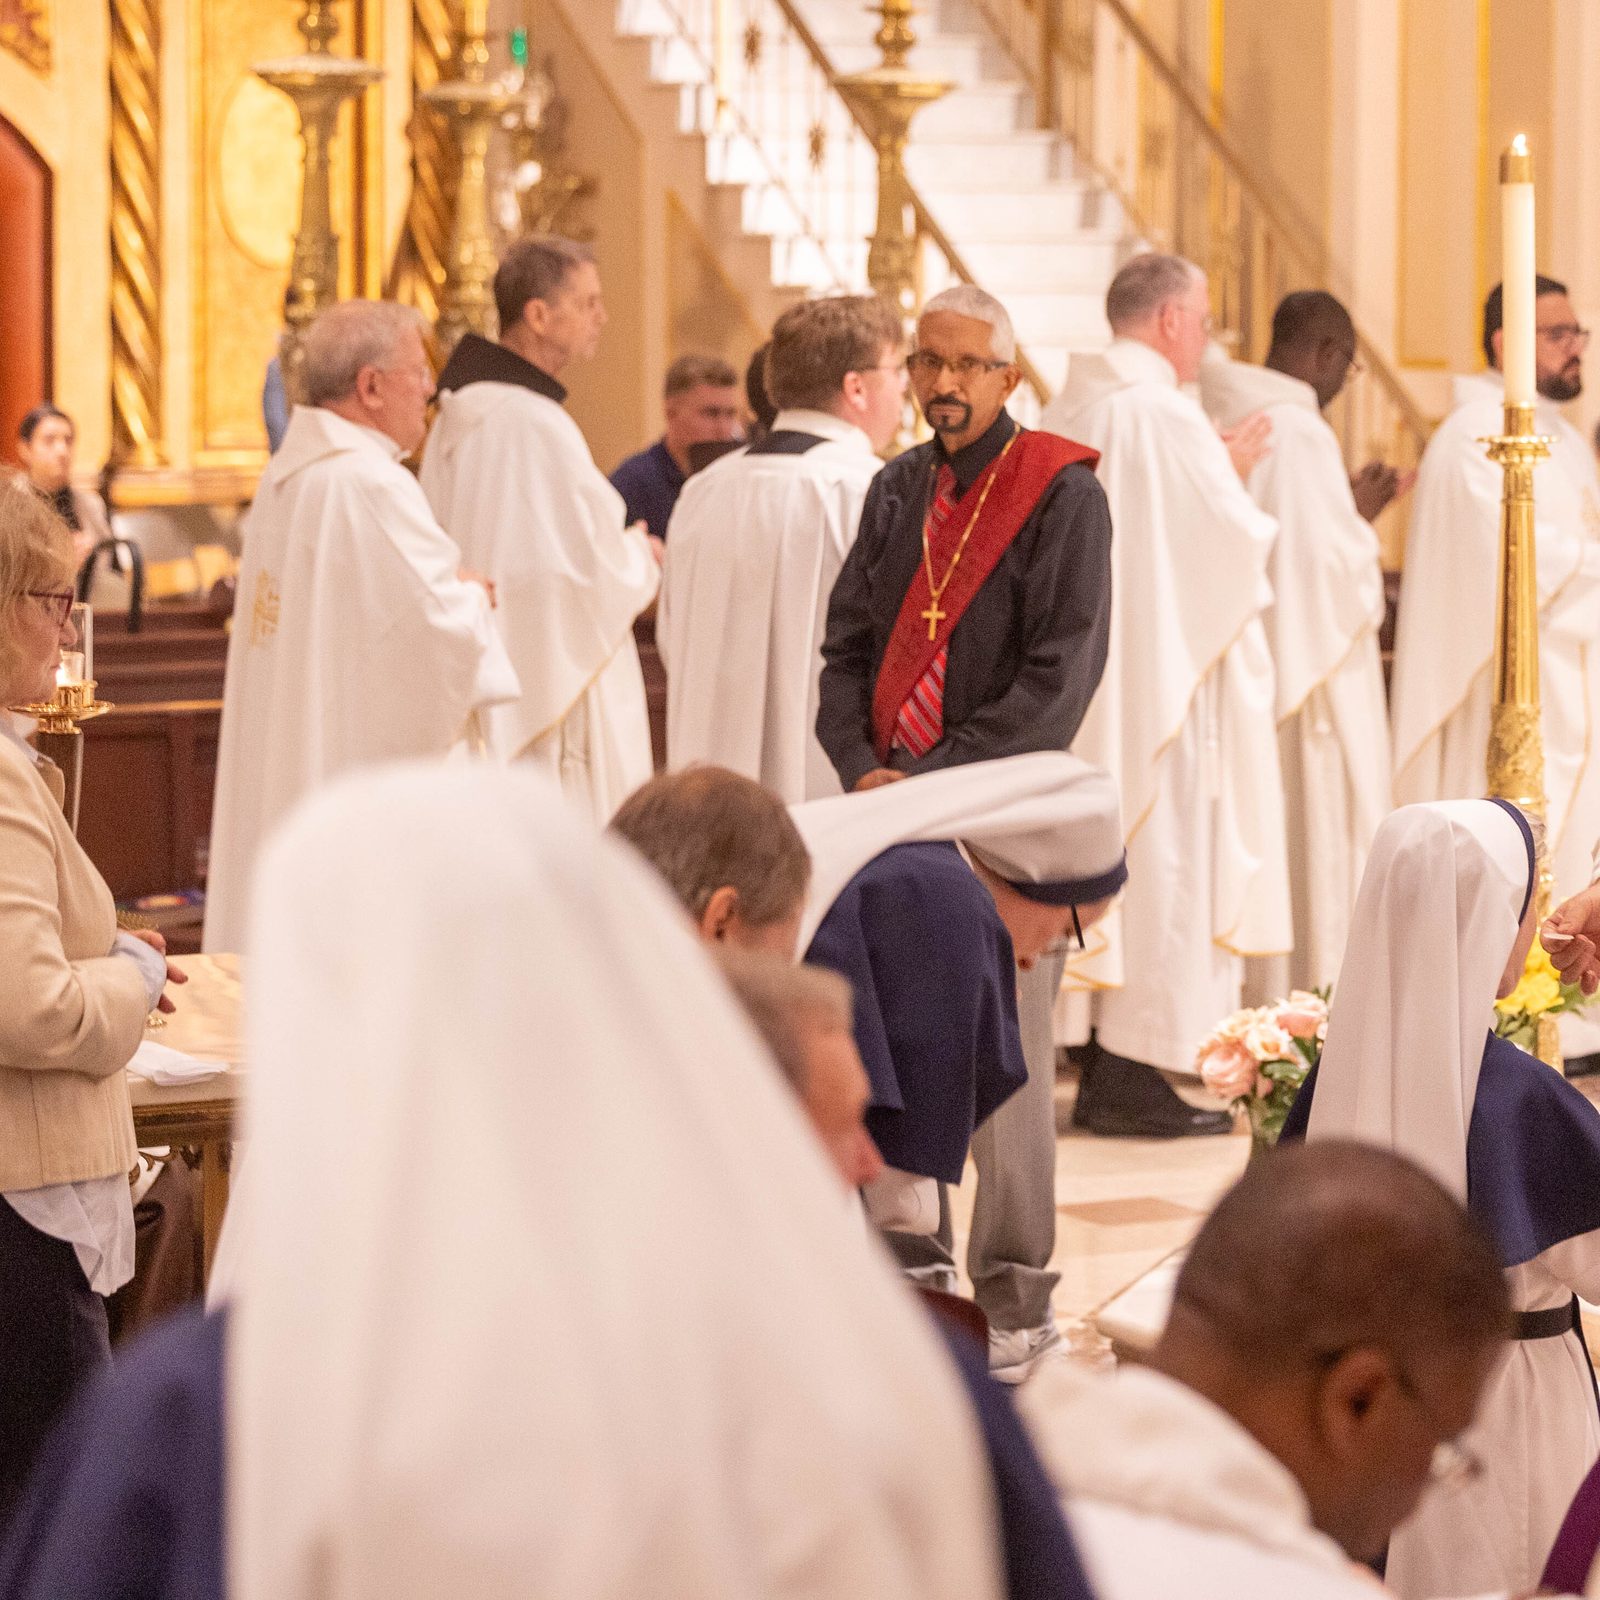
{"points": [[787, 1004], [1145, 284], [348, 337], [968, 300]]}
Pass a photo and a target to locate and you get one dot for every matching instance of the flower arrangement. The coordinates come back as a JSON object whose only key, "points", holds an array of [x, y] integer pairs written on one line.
{"points": [[1540, 993], [1258, 1058]]}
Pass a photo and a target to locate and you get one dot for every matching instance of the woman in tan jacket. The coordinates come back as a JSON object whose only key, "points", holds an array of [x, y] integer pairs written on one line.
{"points": [[74, 993]]}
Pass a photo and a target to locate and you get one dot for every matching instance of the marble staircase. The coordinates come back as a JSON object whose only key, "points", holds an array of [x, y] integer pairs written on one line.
{"points": [[1023, 217]]}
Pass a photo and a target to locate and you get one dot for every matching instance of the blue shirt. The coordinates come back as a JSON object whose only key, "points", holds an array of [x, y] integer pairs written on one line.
{"points": [[650, 483]]}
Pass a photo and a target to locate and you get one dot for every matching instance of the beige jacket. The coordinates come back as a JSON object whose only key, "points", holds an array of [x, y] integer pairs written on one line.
{"points": [[71, 1015]]}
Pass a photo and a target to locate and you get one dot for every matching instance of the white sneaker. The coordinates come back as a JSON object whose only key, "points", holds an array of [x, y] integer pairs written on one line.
{"points": [[1015, 1352]]}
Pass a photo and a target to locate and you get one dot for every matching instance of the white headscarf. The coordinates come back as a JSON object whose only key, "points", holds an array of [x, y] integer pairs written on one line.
{"points": [[552, 1293], [1036, 818], [1434, 921]]}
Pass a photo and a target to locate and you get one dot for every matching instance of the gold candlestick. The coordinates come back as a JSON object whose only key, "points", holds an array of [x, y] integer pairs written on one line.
{"points": [[886, 98], [319, 83], [60, 739], [1515, 760], [473, 105]]}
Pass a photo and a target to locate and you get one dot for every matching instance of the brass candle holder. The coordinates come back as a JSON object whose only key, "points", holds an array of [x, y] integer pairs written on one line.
{"points": [[1515, 759], [60, 738], [319, 83], [473, 105]]}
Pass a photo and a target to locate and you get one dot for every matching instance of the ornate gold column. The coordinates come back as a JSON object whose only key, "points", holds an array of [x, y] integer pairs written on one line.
{"points": [[887, 97], [136, 233], [318, 82], [473, 104]]}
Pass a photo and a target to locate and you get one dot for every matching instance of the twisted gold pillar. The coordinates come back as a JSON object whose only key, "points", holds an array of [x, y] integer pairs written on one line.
{"points": [[418, 274], [136, 233]]}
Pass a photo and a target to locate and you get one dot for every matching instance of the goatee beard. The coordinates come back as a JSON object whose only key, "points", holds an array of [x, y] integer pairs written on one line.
{"points": [[1562, 388]]}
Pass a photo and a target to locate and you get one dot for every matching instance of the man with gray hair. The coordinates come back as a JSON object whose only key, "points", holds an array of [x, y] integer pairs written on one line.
{"points": [[510, 475], [970, 621], [1184, 719], [357, 637]]}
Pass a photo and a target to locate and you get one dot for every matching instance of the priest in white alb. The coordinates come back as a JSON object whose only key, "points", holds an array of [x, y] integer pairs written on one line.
{"points": [[757, 540], [357, 635], [510, 475], [1183, 719], [1444, 639], [1327, 607]]}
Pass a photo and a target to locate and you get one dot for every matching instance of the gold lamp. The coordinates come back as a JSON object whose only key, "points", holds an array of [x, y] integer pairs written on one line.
{"points": [[886, 98], [319, 83]]}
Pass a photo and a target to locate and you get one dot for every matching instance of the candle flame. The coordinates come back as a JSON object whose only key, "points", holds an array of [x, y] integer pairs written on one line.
{"points": [[1519, 145]]}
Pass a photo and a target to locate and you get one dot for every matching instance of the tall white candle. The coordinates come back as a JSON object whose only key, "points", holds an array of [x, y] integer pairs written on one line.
{"points": [[1517, 271]]}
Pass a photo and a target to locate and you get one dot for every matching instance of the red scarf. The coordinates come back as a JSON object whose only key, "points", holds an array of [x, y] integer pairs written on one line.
{"points": [[1020, 478]]}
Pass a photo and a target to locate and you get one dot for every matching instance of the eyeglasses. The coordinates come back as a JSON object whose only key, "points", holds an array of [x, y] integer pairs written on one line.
{"points": [[1453, 1464], [1564, 333], [1065, 946], [925, 364], [58, 601], [1353, 367]]}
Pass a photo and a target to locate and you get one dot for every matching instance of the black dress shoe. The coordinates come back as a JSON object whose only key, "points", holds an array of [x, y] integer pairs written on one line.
{"points": [[1122, 1099]]}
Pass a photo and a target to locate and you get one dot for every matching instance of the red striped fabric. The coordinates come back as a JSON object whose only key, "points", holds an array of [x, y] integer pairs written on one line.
{"points": [[920, 724]]}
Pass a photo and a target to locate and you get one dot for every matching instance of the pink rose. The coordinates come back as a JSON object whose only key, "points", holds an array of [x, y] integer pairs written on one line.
{"points": [[1228, 1069], [1300, 1024]]}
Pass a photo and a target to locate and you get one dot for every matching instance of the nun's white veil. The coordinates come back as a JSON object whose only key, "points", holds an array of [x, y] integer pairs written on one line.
{"points": [[1435, 919], [550, 1292]]}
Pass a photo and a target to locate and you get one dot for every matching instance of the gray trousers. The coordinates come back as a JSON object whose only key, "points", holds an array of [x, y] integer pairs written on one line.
{"points": [[1014, 1213]]}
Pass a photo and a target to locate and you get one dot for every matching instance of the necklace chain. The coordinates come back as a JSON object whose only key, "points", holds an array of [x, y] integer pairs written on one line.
{"points": [[933, 616]]}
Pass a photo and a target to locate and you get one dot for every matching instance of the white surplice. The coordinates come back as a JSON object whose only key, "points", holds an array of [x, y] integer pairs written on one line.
{"points": [[753, 549], [1168, 1495], [554, 1294], [354, 641], [1322, 626], [510, 475], [1183, 719], [1444, 637]]}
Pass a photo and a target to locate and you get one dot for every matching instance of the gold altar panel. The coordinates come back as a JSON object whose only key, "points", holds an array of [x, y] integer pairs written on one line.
{"points": [[245, 202]]}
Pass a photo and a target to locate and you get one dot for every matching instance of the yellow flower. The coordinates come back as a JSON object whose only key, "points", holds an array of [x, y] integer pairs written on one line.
{"points": [[1539, 989]]}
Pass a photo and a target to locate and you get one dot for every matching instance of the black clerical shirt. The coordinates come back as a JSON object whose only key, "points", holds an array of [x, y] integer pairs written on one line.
{"points": [[479, 360], [1027, 655]]}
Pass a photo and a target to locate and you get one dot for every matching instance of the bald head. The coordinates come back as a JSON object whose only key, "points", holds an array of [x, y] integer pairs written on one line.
{"points": [[1347, 1312], [1313, 339], [1162, 301]]}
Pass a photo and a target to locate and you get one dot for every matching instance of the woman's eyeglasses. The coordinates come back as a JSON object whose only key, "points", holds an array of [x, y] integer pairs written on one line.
{"points": [[58, 602]]}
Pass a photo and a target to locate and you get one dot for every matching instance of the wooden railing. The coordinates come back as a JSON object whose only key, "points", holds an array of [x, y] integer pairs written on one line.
{"points": [[1103, 81]]}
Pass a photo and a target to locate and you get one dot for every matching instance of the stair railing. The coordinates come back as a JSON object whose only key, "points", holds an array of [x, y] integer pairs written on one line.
{"points": [[1101, 80], [759, 87]]}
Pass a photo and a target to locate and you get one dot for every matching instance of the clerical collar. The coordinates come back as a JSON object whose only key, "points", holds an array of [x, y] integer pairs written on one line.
{"points": [[970, 460], [479, 360]]}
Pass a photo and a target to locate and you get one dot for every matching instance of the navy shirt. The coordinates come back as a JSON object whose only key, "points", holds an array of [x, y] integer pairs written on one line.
{"points": [[935, 982], [650, 483]]}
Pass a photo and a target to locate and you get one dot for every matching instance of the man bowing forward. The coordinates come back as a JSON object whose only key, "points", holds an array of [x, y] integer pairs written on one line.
{"points": [[970, 621]]}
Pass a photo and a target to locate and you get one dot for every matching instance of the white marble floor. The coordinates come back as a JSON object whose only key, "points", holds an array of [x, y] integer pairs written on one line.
{"points": [[1124, 1206]]}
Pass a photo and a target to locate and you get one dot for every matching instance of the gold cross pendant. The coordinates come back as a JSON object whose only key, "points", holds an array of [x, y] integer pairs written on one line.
{"points": [[933, 616]]}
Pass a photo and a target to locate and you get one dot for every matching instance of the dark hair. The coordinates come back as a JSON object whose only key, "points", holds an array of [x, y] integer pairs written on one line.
{"points": [[707, 828], [1308, 316], [815, 343], [534, 269], [755, 388], [689, 372], [1494, 310], [1331, 1244], [30, 423]]}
